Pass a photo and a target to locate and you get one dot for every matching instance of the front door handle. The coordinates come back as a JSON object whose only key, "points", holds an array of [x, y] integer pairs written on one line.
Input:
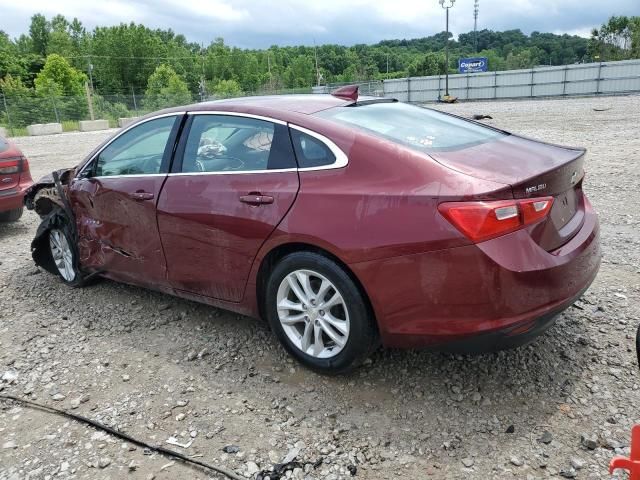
{"points": [[256, 199], [140, 195]]}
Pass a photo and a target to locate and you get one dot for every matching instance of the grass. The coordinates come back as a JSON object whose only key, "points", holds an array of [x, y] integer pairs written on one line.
{"points": [[70, 126]]}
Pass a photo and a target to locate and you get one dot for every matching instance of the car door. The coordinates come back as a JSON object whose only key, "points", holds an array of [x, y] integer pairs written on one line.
{"points": [[233, 181], [114, 199]]}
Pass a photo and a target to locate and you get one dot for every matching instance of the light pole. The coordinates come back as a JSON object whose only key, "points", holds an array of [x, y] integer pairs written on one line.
{"points": [[447, 4]]}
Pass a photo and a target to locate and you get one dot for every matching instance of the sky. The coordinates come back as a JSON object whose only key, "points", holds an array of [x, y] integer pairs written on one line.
{"points": [[259, 23]]}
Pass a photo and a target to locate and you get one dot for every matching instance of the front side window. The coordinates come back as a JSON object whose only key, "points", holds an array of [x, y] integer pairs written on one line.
{"points": [[416, 127], [226, 143], [138, 151]]}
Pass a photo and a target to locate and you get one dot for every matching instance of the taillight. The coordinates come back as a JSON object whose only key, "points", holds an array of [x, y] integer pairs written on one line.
{"points": [[480, 221], [12, 165]]}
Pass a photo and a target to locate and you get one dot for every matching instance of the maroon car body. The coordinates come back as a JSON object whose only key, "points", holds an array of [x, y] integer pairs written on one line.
{"points": [[376, 214], [15, 179]]}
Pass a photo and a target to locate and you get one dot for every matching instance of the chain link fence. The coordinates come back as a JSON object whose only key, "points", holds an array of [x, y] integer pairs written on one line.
{"points": [[19, 111]]}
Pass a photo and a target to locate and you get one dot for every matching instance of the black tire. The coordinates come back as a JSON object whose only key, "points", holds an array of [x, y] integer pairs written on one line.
{"points": [[78, 279], [362, 336], [11, 215]]}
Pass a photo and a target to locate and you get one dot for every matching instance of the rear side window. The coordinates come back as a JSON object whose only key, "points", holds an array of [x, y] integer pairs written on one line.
{"points": [[310, 151], [416, 127], [226, 143], [3, 145]]}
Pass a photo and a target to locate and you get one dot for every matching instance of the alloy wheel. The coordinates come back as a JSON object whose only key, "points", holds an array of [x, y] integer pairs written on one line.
{"points": [[62, 254], [313, 313]]}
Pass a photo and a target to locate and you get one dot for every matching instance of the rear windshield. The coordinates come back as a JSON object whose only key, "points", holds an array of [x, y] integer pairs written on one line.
{"points": [[415, 127]]}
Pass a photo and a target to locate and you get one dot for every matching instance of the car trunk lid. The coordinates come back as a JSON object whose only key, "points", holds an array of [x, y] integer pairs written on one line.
{"points": [[533, 169]]}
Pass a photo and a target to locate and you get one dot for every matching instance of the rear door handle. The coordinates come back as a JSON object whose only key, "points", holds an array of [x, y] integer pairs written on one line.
{"points": [[256, 199], [141, 196]]}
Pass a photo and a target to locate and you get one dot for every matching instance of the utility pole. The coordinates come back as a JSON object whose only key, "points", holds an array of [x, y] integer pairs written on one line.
{"points": [[476, 8], [447, 4], [315, 52]]}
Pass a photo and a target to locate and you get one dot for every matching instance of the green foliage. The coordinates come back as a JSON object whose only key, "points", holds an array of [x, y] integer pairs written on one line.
{"points": [[617, 39], [165, 88], [59, 78], [39, 31], [227, 88], [429, 64]]}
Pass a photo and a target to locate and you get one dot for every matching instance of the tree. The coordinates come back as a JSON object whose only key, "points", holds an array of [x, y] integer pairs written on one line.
{"points": [[165, 88], [227, 88], [59, 78], [429, 64], [617, 39], [39, 31]]}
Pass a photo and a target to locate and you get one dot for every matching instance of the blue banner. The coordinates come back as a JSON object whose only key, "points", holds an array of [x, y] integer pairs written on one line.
{"points": [[473, 65]]}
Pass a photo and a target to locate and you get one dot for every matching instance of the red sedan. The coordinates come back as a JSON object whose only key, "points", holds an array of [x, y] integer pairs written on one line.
{"points": [[15, 179], [345, 222]]}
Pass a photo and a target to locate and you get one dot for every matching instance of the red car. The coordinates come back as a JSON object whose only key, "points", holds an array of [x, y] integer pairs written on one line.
{"points": [[15, 179], [346, 222]]}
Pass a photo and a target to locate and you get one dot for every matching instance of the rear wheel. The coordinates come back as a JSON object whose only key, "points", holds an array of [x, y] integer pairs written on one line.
{"points": [[11, 215], [319, 314]]}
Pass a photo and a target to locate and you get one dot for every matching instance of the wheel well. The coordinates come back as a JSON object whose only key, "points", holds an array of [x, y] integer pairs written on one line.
{"points": [[275, 255]]}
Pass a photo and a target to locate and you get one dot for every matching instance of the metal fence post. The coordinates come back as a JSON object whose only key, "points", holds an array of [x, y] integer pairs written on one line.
{"points": [[532, 73], [564, 81], [133, 94], [6, 109], [495, 84], [55, 109], [408, 89], [598, 79], [467, 86]]}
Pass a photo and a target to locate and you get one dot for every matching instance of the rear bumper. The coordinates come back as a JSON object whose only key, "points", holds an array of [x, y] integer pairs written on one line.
{"points": [[13, 198], [497, 294]]}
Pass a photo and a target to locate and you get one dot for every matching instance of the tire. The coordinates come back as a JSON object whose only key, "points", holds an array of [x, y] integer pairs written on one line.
{"points": [[343, 324], [64, 256], [11, 215]]}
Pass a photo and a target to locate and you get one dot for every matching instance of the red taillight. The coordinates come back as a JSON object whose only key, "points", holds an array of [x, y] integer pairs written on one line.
{"points": [[481, 221], [12, 165]]}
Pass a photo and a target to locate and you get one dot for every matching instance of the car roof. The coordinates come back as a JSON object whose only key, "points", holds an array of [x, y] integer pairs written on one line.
{"points": [[306, 104]]}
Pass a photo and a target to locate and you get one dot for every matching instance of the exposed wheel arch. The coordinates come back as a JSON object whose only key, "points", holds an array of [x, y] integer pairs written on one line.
{"points": [[279, 252]]}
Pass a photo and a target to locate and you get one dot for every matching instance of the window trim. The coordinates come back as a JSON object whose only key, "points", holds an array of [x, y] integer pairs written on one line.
{"points": [[122, 132], [341, 160]]}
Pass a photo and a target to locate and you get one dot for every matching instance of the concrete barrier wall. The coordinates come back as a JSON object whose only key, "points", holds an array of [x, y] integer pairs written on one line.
{"points": [[123, 122], [44, 129], [93, 125], [3, 132]]}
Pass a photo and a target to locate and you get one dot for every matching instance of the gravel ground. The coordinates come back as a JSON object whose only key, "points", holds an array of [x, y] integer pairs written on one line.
{"points": [[158, 367]]}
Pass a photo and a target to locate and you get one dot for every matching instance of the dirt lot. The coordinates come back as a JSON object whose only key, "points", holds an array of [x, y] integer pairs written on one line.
{"points": [[156, 367]]}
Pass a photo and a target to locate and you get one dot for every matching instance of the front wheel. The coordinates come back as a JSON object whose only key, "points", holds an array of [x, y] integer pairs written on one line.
{"points": [[319, 314], [64, 257]]}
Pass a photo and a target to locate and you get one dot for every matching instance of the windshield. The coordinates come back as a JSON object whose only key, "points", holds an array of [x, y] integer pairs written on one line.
{"points": [[416, 127]]}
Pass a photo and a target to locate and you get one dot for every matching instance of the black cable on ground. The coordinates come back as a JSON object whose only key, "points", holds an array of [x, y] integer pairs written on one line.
{"points": [[123, 436]]}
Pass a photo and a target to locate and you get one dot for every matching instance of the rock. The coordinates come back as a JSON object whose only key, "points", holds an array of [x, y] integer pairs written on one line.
{"points": [[577, 463], [58, 397], [104, 462], [231, 449], [546, 437], [126, 378], [468, 462], [192, 355], [180, 417], [9, 376], [570, 473], [10, 445], [589, 441], [510, 429], [252, 468], [517, 461]]}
